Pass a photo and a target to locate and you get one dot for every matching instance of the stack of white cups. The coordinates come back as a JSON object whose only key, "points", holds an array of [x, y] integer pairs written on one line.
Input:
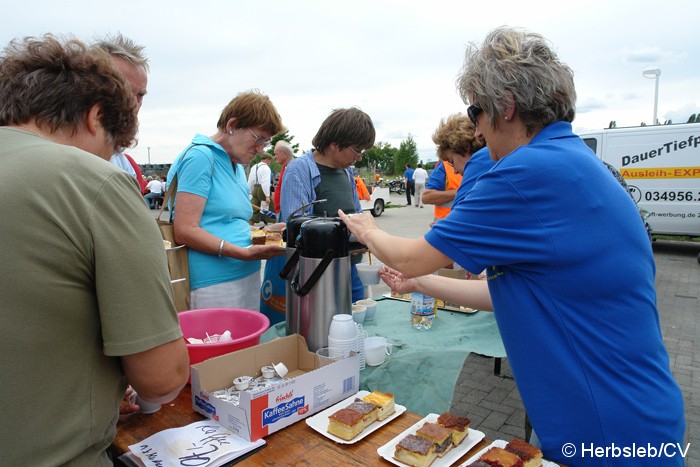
{"points": [[361, 334], [345, 336]]}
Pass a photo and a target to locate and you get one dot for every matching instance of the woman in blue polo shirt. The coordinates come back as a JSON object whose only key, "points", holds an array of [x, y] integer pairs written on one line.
{"points": [[569, 266]]}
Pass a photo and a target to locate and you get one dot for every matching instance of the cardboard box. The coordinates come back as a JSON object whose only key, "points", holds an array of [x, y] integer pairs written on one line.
{"points": [[307, 389]]}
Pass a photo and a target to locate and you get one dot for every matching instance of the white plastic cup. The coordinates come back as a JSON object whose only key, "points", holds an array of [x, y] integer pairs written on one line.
{"points": [[359, 313], [371, 308], [343, 350], [342, 328], [368, 273], [375, 356], [325, 357], [147, 407], [376, 350]]}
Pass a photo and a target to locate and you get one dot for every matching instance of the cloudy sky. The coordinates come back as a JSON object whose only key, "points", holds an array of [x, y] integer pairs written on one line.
{"points": [[396, 60]]}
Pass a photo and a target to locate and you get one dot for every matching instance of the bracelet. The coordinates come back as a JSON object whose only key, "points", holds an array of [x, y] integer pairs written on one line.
{"points": [[221, 248]]}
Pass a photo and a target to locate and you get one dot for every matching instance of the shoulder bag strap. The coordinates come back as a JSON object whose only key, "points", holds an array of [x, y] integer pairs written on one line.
{"points": [[172, 188]]}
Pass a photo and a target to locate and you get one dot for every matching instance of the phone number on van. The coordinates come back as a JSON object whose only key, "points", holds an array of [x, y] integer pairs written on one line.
{"points": [[671, 196]]}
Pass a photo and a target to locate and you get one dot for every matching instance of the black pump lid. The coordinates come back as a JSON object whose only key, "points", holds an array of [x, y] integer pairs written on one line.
{"points": [[291, 232], [322, 234]]}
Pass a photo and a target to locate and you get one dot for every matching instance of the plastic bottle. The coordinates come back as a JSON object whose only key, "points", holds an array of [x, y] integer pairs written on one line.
{"points": [[423, 309]]}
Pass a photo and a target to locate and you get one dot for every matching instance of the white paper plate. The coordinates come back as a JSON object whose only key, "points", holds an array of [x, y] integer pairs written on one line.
{"points": [[501, 444], [473, 437], [319, 422]]}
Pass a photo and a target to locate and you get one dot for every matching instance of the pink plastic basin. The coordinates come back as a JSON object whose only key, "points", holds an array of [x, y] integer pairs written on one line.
{"points": [[246, 327]]}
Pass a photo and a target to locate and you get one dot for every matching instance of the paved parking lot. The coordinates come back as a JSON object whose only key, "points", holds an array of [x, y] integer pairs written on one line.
{"points": [[493, 403]]}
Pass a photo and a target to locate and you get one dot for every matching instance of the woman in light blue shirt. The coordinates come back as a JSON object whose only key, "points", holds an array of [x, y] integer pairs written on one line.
{"points": [[212, 206]]}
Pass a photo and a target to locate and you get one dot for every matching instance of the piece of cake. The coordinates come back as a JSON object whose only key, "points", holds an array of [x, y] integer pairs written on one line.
{"points": [[529, 454], [479, 463], [441, 436], [345, 423], [415, 451], [369, 411], [384, 401], [458, 425], [498, 457], [404, 296], [258, 236], [273, 238]]}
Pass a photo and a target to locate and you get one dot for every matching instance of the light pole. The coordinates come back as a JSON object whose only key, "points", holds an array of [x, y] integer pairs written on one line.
{"points": [[149, 150], [654, 73]]}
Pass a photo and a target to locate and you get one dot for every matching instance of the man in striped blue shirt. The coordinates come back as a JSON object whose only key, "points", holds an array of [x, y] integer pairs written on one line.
{"points": [[324, 173]]}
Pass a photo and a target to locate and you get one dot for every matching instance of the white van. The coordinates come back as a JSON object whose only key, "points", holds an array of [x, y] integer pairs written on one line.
{"points": [[661, 165]]}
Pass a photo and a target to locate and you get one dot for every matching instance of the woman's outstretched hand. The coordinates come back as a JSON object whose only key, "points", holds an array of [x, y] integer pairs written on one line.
{"points": [[396, 281], [359, 224]]}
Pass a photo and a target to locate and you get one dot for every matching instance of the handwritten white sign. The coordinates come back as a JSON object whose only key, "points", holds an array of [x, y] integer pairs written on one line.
{"points": [[200, 444]]}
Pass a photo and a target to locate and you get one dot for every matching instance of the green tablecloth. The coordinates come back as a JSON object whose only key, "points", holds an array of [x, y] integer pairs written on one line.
{"points": [[424, 366]]}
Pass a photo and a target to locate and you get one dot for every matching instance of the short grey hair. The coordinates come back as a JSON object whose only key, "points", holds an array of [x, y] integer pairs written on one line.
{"points": [[515, 67], [285, 146], [124, 48]]}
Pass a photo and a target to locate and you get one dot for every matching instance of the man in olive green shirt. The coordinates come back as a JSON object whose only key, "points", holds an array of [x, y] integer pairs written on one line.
{"points": [[85, 298]]}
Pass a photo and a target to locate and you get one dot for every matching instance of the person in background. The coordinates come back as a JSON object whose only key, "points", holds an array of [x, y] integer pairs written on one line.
{"points": [[273, 288], [362, 191], [324, 173], [441, 188], [570, 272], [141, 178], [129, 59], [283, 156], [409, 183], [456, 144], [155, 192], [460, 146], [420, 175], [259, 183], [72, 321], [212, 206]]}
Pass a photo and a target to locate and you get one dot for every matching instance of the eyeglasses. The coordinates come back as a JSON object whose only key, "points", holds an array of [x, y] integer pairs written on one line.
{"points": [[357, 153], [259, 140], [474, 111]]}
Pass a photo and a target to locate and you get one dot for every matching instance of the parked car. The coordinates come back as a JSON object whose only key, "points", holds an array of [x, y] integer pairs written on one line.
{"points": [[379, 198]]}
